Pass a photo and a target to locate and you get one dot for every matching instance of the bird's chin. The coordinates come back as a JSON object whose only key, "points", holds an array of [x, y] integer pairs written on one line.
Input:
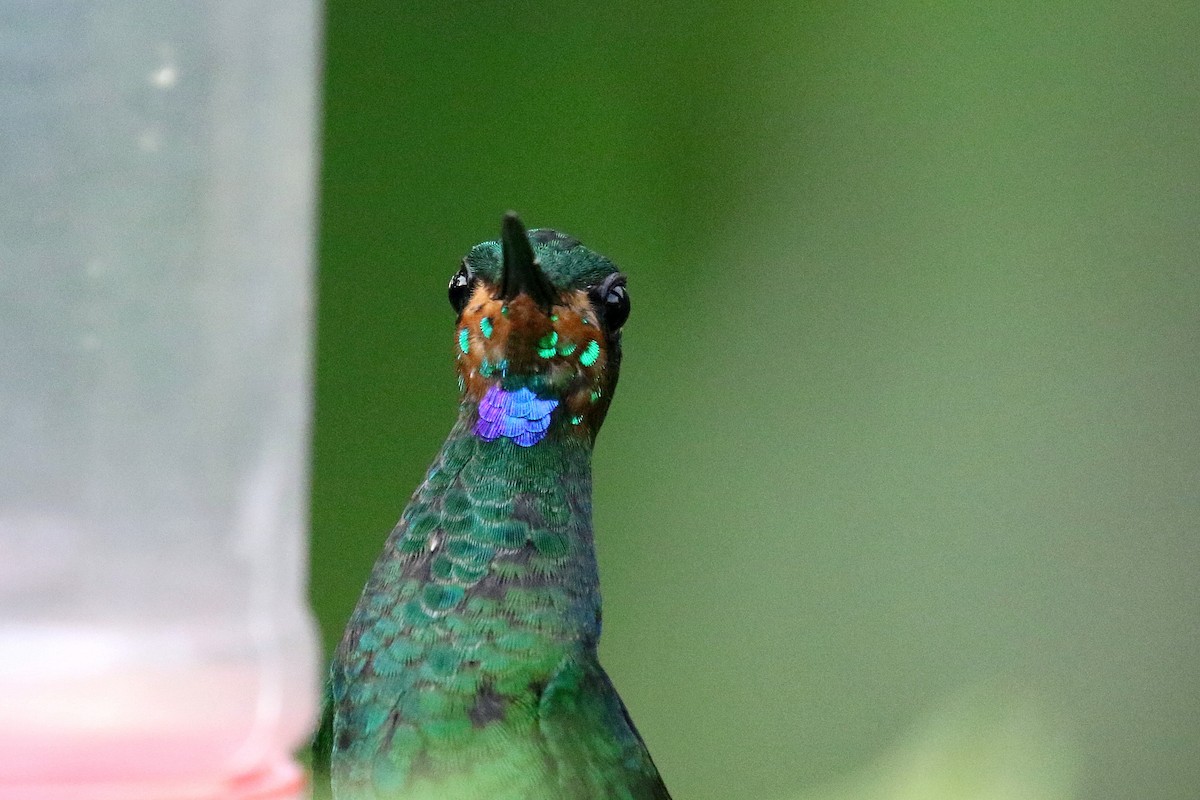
{"points": [[554, 381]]}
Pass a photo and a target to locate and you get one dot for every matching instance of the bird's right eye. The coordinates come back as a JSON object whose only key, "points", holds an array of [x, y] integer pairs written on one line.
{"points": [[460, 288]]}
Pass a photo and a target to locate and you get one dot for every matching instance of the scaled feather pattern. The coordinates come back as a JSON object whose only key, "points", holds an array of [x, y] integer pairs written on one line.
{"points": [[521, 415]]}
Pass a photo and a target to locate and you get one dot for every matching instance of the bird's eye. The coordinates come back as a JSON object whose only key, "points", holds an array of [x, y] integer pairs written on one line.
{"points": [[611, 300], [460, 288]]}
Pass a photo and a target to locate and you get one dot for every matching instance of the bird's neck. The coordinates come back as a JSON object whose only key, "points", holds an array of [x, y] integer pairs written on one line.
{"points": [[501, 529]]}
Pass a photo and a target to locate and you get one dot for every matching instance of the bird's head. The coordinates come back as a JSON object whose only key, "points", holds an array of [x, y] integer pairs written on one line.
{"points": [[538, 336]]}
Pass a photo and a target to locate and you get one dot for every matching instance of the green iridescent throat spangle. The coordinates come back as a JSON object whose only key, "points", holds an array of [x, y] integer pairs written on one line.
{"points": [[468, 669]]}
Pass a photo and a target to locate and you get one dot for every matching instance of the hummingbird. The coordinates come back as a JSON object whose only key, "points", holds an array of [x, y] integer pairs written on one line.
{"points": [[468, 669]]}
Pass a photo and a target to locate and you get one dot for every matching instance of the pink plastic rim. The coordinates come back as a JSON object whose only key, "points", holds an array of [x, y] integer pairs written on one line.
{"points": [[282, 781]]}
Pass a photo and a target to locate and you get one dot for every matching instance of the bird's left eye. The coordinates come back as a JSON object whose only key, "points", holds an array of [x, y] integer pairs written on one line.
{"points": [[460, 288], [611, 300]]}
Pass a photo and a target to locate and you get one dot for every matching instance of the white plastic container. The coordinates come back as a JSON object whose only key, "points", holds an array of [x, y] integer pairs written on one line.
{"points": [[157, 161]]}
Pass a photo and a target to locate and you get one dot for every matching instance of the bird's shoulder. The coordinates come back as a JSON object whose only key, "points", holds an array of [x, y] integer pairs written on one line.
{"points": [[590, 738]]}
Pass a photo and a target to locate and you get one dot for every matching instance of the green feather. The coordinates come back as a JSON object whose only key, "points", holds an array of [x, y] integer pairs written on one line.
{"points": [[590, 353]]}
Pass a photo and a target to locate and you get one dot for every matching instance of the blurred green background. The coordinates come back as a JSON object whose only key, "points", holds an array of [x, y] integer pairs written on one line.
{"points": [[899, 496]]}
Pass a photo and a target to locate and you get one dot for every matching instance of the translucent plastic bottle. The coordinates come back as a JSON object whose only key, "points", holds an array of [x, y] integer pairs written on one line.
{"points": [[157, 162]]}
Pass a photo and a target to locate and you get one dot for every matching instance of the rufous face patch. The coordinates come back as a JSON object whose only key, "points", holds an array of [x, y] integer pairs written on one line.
{"points": [[529, 369]]}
